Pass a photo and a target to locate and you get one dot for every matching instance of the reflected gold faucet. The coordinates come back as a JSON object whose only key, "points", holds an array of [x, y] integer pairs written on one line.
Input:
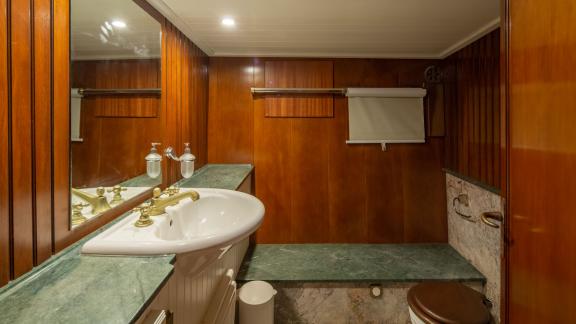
{"points": [[158, 205], [98, 202]]}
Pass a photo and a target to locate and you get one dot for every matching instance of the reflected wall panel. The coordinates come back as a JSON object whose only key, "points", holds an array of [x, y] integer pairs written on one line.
{"points": [[472, 95]]}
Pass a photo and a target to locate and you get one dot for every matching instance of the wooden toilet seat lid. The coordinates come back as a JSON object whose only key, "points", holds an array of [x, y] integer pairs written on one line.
{"points": [[448, 302]]}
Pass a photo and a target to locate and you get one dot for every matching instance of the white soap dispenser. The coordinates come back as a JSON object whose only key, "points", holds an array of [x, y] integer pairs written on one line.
{"points": [[187, 162], [153, 162]]}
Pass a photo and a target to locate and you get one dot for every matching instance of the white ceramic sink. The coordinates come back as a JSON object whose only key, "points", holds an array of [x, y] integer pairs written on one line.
{"points": [[202, 229]]}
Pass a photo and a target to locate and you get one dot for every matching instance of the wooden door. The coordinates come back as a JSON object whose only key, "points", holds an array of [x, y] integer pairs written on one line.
{"points": [[542, 161]]}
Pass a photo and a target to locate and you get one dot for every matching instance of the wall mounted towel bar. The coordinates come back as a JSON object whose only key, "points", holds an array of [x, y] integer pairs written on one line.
{"points": [[112, 92], [335, 91]]}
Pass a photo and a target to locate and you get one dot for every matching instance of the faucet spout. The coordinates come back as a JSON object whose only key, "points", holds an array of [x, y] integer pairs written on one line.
{"points": [[158, 206], [98, 202]]}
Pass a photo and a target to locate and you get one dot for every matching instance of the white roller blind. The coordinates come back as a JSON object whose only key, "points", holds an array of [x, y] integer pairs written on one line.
{"points": [[75, 112], [386, 115]]}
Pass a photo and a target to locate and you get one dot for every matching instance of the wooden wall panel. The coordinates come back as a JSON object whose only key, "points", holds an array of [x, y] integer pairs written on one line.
{"points": [[315, 187], [472, 96], [26, 203], [299, 74], [22, 133], [116, 130], [43, 128], [230, 82], [61, 123], [5, 139], [185, 103], [542, 161]]}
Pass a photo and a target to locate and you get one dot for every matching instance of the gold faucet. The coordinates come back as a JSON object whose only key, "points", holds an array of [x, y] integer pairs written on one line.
{"points": [[144, 219], [99, 202], [117, 199], [159, 204], [77, 217]]}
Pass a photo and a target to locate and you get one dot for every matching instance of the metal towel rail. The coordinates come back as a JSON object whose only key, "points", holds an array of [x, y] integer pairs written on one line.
{"points": [[112, 92], [334, 91]]}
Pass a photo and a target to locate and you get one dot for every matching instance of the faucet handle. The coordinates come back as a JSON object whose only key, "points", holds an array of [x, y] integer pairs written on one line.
{"points": [[172, 190], [100, 191], [117, 198], [117, 189], [144, 219], [77, 216]]}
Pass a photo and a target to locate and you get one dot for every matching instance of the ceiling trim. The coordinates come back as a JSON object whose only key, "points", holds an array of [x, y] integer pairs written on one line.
{"points": [[471, 38], [113, 57], [336, 55], [163, 8]]}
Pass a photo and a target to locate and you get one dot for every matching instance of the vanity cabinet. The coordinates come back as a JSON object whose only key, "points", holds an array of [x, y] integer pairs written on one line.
{"points": [[185, 299]]}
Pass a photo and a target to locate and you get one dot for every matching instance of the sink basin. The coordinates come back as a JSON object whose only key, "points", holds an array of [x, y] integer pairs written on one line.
{"points": [[198, 232]]}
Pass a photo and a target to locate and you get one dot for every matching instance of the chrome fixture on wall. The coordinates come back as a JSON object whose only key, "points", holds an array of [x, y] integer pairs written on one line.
{"points": [[186, 160], [462, 199]]}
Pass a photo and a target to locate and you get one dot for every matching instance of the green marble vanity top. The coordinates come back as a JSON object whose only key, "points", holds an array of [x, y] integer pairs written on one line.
{"points": [[75, 288], [142, 180], [222, 176], [356, 262]]}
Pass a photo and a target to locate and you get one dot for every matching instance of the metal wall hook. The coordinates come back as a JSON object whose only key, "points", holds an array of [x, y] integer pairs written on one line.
{"points": [[487, 218], [462, 199]]}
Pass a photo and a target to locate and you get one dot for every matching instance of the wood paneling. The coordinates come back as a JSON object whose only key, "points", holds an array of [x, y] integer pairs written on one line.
{"points": [[185, 98], [542, 162], [4, 146], [298, 74], [120, 74], [22, 128], [43, 128], [26, 136], [35, 133], [472, 96], [116, 130], [61, 123], [315, 187], [230, 123]]}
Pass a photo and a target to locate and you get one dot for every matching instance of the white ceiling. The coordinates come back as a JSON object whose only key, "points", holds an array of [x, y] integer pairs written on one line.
{"points": [[92, 39], [333, 28]]}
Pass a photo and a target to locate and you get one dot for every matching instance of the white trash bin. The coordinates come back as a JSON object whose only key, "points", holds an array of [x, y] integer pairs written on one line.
{"points": [[257, 303]]}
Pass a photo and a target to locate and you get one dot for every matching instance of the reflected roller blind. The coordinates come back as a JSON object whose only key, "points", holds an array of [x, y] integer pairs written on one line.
{"points": [[386, 115]]}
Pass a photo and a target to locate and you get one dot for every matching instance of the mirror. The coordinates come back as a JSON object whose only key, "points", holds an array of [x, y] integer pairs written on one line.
{"points": [[115, 108]]}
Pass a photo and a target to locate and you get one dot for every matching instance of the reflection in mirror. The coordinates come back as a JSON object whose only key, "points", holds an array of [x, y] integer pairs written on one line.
{"points": [[114, 105]]}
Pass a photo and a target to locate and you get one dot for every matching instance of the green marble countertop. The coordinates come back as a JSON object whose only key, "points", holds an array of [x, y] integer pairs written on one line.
{"points": [[222, 176], [75, 288], [356, 262], [142, 180]]}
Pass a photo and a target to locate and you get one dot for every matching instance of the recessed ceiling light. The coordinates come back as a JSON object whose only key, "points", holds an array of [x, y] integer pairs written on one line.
{"points": [[118, 23], [228, 22]]}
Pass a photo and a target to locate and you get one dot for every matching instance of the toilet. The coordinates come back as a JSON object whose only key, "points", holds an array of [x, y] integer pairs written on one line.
{"points": [[446, 302]]}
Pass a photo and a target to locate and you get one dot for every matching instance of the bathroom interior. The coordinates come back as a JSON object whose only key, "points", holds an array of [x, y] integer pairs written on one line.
{"points": [[259, 162]]}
